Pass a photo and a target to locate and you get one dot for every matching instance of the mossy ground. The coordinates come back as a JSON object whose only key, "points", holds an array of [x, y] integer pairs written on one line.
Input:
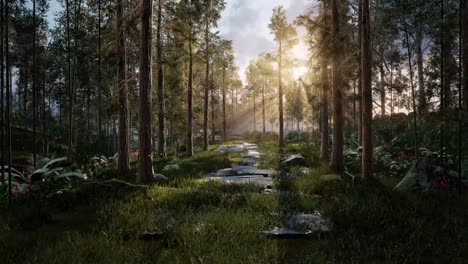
{"points": [[209, 222]]}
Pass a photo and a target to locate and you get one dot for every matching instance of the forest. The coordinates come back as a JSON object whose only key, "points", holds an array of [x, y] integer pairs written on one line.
{"points": [[234, 131]]}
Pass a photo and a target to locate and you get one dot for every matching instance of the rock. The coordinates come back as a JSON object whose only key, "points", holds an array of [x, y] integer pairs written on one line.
{"points": [[266, 182], [311, 223], [249, 159], [251, 170], [159, 178], [294, 160], [225, 173], [417, 177], [151, 236], [301, 226], [285, 233], [249, 146], [255, 154], [230, 148]]}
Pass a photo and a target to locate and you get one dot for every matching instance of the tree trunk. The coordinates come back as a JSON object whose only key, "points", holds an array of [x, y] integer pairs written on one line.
{"points": [[324, 152], [280, 95], [360, 126], [34, 88], [263, 108], [190, 102], [354, 106], [337, 161], [224, 103], [419, 58], [161, 102], [366, 66], [465, 52], [123, 161], [2, 86], [25, 92], [44, 117], [213, 120], [207, 84], [382, 89], [145, 171], [254, 111], [99, 132], [69, 82]]}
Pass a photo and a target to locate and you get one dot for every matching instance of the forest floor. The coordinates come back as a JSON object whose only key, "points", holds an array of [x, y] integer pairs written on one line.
{"points": [[189, 220]]}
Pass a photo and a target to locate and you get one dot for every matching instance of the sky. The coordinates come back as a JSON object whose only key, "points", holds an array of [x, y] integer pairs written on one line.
{"points": [[245, 22]]}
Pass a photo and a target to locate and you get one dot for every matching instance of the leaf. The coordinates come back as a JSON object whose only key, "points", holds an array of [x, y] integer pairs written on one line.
{"points": [[55, 161], [42, 163], [70, 174]]}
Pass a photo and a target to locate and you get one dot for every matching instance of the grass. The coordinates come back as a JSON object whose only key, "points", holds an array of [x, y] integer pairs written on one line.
{"points": [[210, 222]]}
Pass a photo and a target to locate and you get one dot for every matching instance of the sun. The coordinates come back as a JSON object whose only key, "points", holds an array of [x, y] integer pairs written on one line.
{"points": [[300, 54], [299, 72], [300, 51]]}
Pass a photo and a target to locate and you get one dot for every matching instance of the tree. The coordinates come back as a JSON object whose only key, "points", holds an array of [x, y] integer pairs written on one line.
{"points": [[324, 149], [227, 64], [337, 160], [318, 30], [267, 75], [146, 162], [123, 160], [366, 60], [160, 85], [464, 5], [285, 34], [211, 14], [186, 15]]}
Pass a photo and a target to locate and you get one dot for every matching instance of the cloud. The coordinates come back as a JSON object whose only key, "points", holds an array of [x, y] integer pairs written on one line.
{"points": [[245, 22]]}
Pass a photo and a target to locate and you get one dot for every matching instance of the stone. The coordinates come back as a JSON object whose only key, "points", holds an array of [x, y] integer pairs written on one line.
{"points": [[301, 226], [249, 146], [285, 233], [159, 178], [294, 160], [417, 177], [249, 159], [230, 148], [266, 182], [311, 223]]}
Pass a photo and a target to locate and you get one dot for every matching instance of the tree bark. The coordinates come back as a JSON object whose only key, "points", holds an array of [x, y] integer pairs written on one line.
{"points": [[382, 89], [254, 105], [280, 95], [465, 52], [34, 88], [146, 162], [263, 107], [161, 101], [213, 117], [123, 161], [337, 161], [224, 103], [419, 58], [366, 60], [99, 132], [360, 72], [207, 84], [324, 151], [44, 117], [2, 86], [190, 102]]}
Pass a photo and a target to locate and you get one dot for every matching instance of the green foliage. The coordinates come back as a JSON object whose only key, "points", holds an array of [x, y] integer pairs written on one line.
{"points": [[374, 224]]}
